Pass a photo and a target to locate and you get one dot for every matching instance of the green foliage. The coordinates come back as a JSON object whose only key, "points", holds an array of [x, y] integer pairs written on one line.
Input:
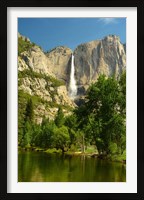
{"points": [[22, 101], [59, 120], [99, 122], [122, 82], [71, 124], [61, 139], [23, 97], [113, 148], [26, 125], [29, 113], [53, 150], [24, 45], [36, 132], [44, 139], [118, 157], [90, 149], [100, 117], [51, 81], [55, 82], [26, 105], [27, 134], [122, 100]]}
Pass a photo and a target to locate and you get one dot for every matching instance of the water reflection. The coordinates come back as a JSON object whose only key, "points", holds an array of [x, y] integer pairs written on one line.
{"points": [[43, 167]]}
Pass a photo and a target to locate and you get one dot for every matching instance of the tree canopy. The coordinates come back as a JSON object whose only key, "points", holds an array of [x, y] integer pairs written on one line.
{"points": [[99, 121]]}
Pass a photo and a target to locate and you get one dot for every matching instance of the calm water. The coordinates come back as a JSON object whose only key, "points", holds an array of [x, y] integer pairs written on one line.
{"points": [[43, 167]]}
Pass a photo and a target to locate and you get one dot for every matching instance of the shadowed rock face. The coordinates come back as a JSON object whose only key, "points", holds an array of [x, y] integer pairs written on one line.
{"points": [[60, 59]]}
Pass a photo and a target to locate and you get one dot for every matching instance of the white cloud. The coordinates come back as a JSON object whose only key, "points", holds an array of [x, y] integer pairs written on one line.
{"points": [[109, 20]]}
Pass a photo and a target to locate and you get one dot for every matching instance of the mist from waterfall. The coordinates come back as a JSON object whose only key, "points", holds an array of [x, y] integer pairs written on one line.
{"points": [[72, 84]]}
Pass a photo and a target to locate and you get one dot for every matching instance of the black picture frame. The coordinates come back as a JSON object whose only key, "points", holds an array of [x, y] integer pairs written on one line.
{"points": [[4, 110]]}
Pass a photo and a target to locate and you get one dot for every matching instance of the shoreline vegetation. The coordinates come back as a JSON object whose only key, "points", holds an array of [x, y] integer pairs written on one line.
{"points": [[75, 153], [96, 128]]}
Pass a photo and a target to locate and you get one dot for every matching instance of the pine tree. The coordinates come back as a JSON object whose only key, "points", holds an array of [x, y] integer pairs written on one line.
{"points": [[59, 120], [27, 132], [29, 113]]}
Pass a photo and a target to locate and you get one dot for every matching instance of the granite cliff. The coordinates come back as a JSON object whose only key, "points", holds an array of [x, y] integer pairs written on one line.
{"points": [[97, 57], [42, 77], [45, 76]]}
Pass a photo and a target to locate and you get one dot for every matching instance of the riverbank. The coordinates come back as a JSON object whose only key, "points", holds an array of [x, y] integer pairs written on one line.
{"points": [[112, 158]]}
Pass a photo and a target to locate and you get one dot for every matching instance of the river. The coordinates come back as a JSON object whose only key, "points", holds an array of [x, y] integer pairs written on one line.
{"points": [[43, 167]]}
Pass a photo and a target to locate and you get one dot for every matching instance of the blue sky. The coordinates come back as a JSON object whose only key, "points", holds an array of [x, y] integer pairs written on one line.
{"points": [[51, 32]]}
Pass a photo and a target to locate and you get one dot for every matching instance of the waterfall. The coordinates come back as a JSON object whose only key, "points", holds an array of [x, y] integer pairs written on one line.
{"points": [[72, 84]]}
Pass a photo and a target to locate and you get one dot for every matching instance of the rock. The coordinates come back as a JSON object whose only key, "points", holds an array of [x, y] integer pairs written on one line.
{"points": [[49, 95], [63, 96], [22, 64], [124, 47], [60, 59], [36, 87], [37, 61], [23, 37], [105, 56]]}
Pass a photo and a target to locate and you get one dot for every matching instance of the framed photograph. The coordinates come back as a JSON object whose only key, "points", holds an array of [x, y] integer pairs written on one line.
{"points": [[72, 79]]}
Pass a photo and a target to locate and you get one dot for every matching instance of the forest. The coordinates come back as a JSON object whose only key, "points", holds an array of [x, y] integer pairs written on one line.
{"points": [[97, 127]]}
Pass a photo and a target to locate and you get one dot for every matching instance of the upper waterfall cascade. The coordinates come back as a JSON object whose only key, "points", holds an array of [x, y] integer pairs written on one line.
{"points": [[72, 84]]}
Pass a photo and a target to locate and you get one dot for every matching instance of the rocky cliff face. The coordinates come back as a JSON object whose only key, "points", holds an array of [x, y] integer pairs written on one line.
{"points": [[105, 56], [60, 59], [55, 63], [35, 60], [46, 75]]}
